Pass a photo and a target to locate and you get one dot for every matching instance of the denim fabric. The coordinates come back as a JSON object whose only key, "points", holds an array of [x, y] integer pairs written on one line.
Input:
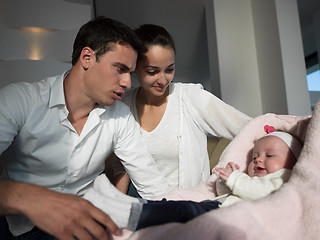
{"points": [[161, 212], [132, 191], [34, 234], [135, 213], [5, 234]]}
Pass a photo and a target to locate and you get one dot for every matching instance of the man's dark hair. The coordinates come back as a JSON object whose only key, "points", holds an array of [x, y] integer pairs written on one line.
{"points": [[101, 33]]}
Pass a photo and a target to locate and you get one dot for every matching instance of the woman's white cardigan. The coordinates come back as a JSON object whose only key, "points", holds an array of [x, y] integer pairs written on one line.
{"points": [[200, 113]]}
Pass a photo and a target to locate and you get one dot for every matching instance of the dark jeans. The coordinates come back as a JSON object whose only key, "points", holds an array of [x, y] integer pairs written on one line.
{"points": [[5, 234], [132, 191], [34, 234], [161, 212]]}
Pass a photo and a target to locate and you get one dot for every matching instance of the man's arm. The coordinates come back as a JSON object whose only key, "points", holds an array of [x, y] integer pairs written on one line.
{"points": [[64, 216], [61, 215]]}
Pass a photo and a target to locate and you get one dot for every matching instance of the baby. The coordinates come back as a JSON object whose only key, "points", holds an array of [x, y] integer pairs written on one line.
{"points": [[273, 157]]}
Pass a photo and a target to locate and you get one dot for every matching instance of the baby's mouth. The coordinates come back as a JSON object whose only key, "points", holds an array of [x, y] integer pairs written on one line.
{"points": [[258, 168]]}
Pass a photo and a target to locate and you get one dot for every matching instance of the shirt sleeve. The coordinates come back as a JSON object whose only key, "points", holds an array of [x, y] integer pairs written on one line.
{"points": [[14, 106], [117, 166], [249, 188], [212, 114], [132, 151]]}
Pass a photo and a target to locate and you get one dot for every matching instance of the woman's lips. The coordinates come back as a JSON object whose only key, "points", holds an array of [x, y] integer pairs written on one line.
{"points": [[159, 88]]}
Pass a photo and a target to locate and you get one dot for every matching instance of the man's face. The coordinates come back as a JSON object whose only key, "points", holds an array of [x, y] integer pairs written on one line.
{"points": [[107, 78]]}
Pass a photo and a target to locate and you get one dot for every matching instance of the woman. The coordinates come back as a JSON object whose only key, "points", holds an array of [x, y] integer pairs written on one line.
{"points": [[175, 118]]}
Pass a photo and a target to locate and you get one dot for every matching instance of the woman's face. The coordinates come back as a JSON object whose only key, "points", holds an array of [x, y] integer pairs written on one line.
{"points": [[155, 69]]}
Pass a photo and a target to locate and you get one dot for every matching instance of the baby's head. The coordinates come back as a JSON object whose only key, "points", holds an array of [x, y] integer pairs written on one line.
{"points": [[272, 152]]}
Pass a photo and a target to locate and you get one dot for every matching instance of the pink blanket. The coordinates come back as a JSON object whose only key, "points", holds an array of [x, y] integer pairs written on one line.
{"points": [[292, 212]]}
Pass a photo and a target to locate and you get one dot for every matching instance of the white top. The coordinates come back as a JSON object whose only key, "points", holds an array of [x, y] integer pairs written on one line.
{"points": [[241, 186], [162, 142], [198, 113], [40, 145]]}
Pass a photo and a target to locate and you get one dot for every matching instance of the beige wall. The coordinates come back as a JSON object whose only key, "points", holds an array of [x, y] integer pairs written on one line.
{"points": [[30, 56], [260, 56]]}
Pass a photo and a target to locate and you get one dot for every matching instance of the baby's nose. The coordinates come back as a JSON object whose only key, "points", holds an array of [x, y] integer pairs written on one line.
{"points": [[258, 160]]}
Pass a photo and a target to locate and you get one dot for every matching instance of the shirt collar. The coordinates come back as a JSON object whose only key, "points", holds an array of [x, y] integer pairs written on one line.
{"points": [[57, 91]]}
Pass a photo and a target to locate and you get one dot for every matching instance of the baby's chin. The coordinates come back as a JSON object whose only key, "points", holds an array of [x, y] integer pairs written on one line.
{"points": [[259, 174]]}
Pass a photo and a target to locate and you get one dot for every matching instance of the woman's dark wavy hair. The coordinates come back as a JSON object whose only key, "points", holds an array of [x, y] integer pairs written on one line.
{"points": [[152, 35], [101, 33]]}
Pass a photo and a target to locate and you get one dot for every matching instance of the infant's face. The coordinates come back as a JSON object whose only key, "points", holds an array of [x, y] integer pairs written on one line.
{"points": [[270, 154]]}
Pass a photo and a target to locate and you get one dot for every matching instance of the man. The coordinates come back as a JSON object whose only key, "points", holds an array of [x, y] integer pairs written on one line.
{"points": [[56, 134]]}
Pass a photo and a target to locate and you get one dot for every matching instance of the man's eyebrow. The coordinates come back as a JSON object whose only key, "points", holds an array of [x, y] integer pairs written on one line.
{"points": [[123, 66]]}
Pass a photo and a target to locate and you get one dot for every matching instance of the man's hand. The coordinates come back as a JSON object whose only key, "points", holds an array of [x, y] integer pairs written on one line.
{"points": [[64, 216], [224, 173]]}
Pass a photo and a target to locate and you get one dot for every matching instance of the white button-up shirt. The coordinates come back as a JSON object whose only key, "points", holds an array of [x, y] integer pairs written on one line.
{"points": [[40, 145]]}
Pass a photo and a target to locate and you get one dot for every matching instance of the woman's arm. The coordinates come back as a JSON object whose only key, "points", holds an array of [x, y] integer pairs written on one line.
{"points": [[211, 113], [121, 182], [121, 179]]}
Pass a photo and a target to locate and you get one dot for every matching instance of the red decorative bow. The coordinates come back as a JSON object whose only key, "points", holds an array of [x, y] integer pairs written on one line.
{"points": [[268, 129]]}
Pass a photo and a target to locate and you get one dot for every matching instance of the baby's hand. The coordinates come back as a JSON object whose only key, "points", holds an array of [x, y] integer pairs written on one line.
{"points": [[224, 173]]}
